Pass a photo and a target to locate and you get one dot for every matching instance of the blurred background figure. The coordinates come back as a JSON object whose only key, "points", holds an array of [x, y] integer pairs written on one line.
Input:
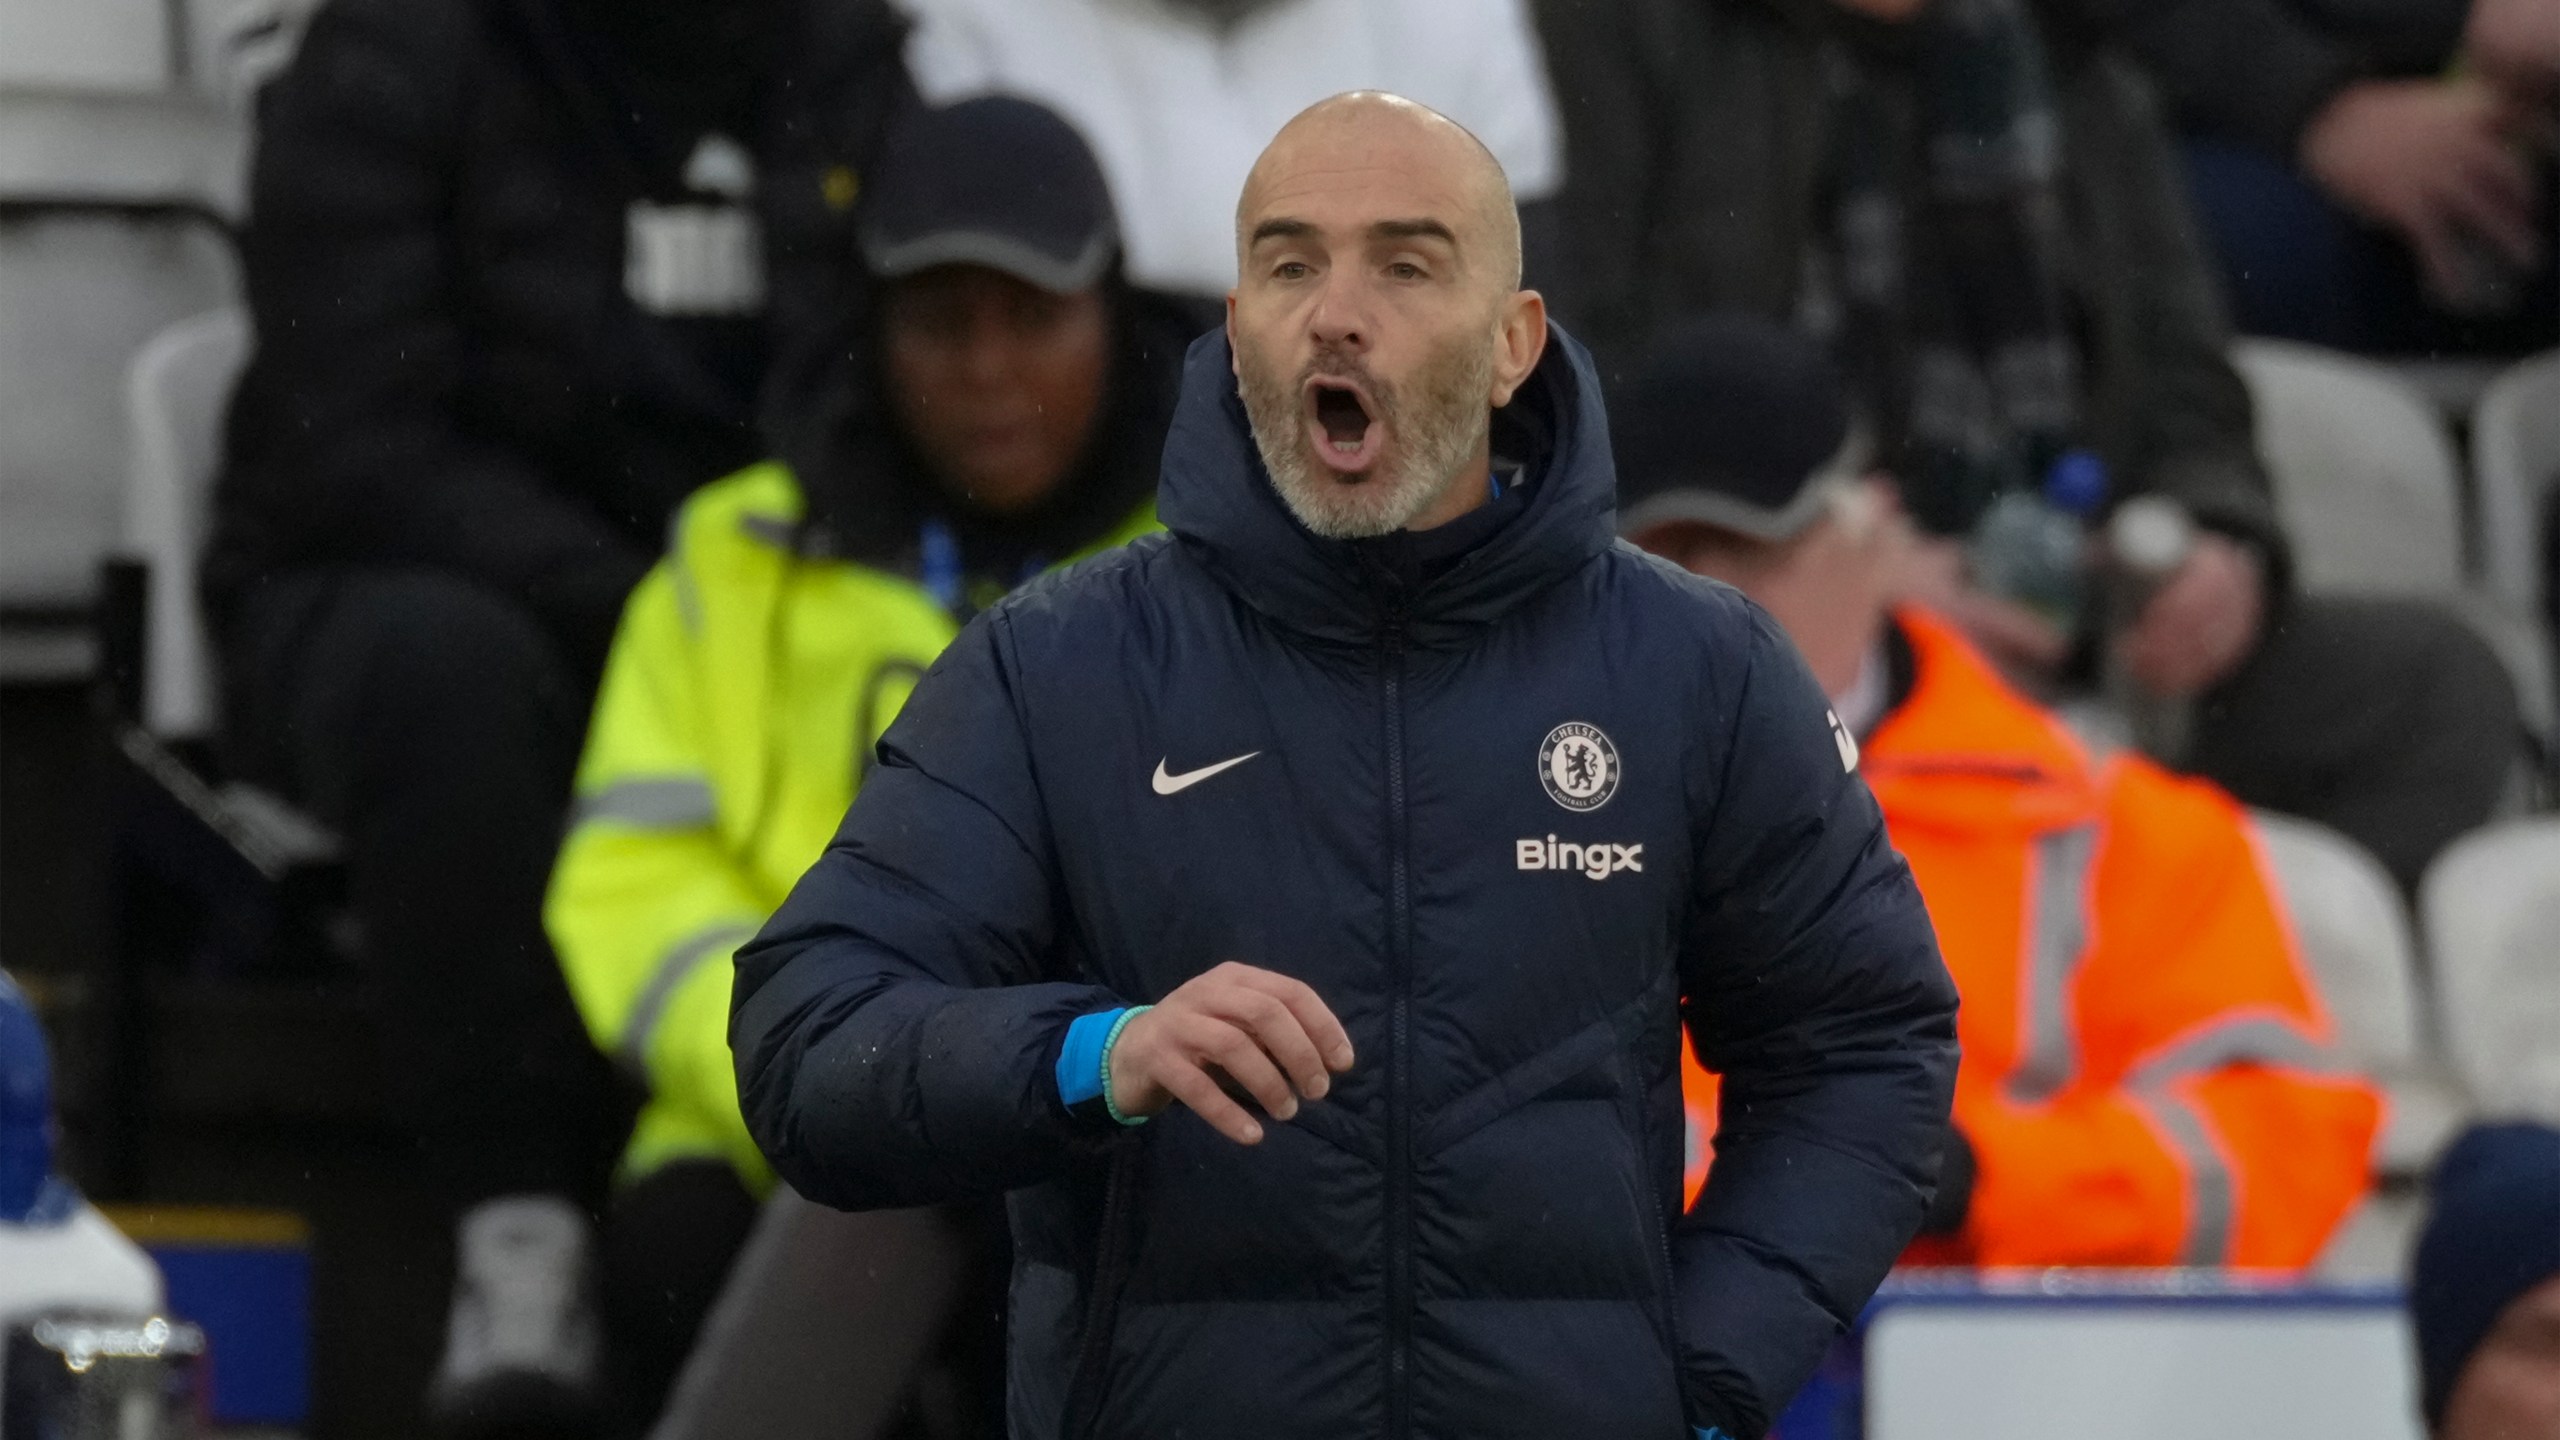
{"points": [[2371, 176], [58, 1256], [2147, 1075], [65, 1270], [1021, 400], [2486, 1288], [519, 272], [1991, 235], [1179, 96]]}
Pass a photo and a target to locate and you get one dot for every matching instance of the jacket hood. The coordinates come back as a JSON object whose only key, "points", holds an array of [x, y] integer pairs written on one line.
{"points": [[1965, 751], [1218, 500]]}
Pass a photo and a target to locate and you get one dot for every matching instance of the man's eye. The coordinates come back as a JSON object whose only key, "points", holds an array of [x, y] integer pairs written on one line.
{"points": [[1290, 270], [1404, 270]]}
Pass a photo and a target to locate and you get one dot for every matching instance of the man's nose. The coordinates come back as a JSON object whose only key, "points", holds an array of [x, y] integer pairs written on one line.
{"points": [[983, 353], [1341, 314]]}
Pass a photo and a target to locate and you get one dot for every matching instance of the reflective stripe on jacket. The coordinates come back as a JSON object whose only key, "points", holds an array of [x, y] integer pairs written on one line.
{"points": [[746, 687], [2147, 1078]]}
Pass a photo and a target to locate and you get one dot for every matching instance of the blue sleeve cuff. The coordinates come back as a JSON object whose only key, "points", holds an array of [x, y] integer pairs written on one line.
{"points": [[1079, 1071]]}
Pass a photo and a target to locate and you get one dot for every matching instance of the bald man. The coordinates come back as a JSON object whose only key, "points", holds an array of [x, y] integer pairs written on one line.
{"points": [[1298, 913]]}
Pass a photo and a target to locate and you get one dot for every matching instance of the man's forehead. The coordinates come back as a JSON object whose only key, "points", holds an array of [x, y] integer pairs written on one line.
{"points": [[1337, 176]]}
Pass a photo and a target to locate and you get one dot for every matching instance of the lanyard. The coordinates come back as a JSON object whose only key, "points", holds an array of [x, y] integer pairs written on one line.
{"points": [[938, 557], [945, 577]]}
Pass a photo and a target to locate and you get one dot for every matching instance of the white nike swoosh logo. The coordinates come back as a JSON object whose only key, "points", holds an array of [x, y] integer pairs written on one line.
{"points": [[1171, 784]]}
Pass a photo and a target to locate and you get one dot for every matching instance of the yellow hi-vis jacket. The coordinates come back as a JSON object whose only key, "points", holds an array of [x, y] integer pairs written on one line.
{"points": [[745, 691]]}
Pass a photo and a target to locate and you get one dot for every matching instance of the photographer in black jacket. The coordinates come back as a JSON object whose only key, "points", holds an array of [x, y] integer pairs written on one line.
{"points": [[519, 270]]}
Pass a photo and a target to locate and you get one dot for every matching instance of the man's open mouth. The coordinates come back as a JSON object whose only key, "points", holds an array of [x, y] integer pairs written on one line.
{"points": [[1341, 423]]}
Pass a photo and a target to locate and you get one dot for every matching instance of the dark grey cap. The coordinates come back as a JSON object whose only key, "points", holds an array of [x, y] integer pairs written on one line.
{"points": [[1735, 422], [995, 181]]}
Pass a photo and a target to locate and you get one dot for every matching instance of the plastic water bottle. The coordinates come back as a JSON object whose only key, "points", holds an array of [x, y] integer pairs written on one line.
{"points": [[26, 1106], [57, 1253], [2030, 546], [2148, 541]]}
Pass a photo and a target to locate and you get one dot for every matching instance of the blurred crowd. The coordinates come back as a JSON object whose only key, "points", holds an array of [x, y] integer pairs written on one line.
{"points": [[645, 391]]}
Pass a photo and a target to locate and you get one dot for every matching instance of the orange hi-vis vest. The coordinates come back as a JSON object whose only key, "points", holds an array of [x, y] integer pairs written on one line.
{"points": [[2146, 1076]]}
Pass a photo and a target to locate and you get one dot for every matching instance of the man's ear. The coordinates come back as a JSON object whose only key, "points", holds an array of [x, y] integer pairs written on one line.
{"points": [[1519, 339], [1235, 366]]}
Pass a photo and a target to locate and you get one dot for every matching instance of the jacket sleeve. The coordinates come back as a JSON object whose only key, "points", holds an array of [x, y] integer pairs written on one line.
{"points": [[647, 901], [2175, 418], [351, 271], [2211, 1124], [893, 1022], [1617, 68], [2256, 71], [1812, 984]]}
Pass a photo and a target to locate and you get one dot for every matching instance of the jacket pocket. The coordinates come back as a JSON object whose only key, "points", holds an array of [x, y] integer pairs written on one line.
{"points": [[1599, 1045], [1536, 1181]]}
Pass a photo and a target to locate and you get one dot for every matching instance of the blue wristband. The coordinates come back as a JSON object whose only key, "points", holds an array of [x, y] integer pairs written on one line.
{"points": [[1117, 1025], [1080, 1058]]}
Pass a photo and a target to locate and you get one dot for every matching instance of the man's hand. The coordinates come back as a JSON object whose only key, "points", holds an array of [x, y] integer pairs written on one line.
{"points": [[1267, 1034], [2516, 43], [2018, 640], [2200, 625], [2432, 160]]}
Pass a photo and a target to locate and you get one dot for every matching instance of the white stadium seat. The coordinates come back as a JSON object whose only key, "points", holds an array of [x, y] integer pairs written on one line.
{"points": [[112, 215], [2354, 932], [2365, 475], [2355, 935], [2515, 458], [2369, 489], [80, 289], [2490, 906], [176, 392]]}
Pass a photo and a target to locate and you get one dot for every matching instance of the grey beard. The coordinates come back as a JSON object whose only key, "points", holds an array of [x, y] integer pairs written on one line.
{"points": [[1434, 442]]}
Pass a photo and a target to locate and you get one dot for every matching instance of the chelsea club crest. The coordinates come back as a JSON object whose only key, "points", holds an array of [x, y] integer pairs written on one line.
{"points": [[1578, 766]]}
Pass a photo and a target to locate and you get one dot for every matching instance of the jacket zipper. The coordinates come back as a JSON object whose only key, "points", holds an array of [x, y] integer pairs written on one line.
{"points": [[1399, 1278], [1670, 1276], [1080, 1417]]}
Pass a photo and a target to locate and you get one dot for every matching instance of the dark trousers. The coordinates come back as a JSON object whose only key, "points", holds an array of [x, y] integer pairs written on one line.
{"points": [[2297, 266], [433, 725], [669, 1243], [800, 1320], [2387, 720]]}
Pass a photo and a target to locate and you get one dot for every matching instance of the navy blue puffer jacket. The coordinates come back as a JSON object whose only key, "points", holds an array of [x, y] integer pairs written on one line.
{"points": [[1515, 824]]}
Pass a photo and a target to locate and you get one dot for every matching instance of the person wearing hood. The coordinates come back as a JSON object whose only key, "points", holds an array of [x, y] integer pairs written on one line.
{"points": [[1296, 915], [1022, 398], [2149, 1075], [520, 272]]}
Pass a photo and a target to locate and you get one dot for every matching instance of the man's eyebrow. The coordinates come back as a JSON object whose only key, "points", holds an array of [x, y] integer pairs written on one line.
{"points": [[1424, 229], [1282, 228]]}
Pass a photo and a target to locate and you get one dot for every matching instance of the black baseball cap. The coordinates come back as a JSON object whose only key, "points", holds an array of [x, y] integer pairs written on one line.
{"points": [[1736, 422], [996, 181]]}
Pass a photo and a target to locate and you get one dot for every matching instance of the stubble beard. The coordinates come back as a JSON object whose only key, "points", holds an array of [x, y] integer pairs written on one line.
{"points": [[1431, 434]]}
